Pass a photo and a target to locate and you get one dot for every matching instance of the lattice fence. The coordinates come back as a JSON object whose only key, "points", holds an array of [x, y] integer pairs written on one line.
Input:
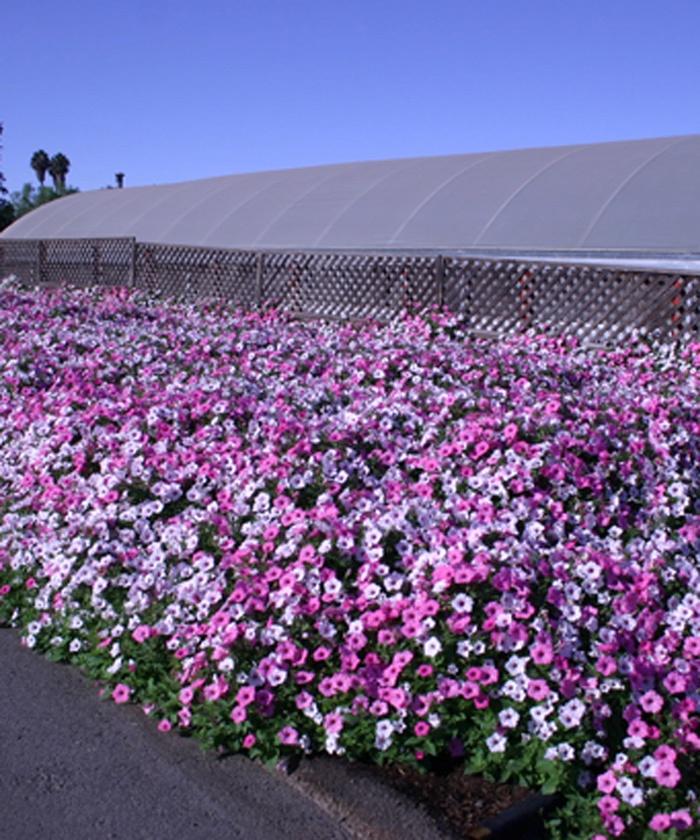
{"points": [[192, 273], [20, 257], [598, 304], [337, 285], [602, 305], [85, 262], [687, 311]]}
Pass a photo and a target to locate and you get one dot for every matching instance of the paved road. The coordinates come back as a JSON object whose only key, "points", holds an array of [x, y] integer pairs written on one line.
{"points": [[77, 768]]}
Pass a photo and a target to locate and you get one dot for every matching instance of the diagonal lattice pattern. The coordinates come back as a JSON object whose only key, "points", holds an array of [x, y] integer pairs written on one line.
{"points": [[189, 273], [596, 303], [336, 285], [85, 262], [20, 257]]}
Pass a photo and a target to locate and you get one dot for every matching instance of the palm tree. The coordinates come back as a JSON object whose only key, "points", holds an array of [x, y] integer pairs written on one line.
{"points": [[40, 163], [58, 169], [3, 188]]}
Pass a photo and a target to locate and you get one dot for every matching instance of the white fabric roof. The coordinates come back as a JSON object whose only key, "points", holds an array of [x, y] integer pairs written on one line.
{"points": [[640, 194]]}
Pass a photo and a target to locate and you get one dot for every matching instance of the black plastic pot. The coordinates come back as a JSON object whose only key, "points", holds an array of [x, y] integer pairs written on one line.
{"points": [[522, 821]]}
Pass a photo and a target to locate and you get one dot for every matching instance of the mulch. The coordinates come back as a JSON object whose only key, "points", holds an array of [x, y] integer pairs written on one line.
{"points": [[458, 801]]}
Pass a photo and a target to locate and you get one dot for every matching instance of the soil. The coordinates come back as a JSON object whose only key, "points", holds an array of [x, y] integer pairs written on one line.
{"points": [[460, 802]]}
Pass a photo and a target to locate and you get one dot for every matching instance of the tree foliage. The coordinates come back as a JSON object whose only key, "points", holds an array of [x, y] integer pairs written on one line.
{"points": [[40, 163], [58, 169], [7, 213], [30, 197]]}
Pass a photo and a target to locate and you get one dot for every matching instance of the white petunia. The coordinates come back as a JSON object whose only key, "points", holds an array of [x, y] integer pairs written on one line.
{"points": [[509, 718], [496, 743], [432, 647]]}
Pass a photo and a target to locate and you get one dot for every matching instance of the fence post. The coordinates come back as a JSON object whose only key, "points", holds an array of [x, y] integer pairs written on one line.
{"points": [[525, 287], [440, 280], [259, 262], [132, 262], [96, 265], [40, 249], [677, 307]]}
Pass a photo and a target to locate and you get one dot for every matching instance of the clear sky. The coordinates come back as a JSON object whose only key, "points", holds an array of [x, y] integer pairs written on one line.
{"points": [[169, 91]]}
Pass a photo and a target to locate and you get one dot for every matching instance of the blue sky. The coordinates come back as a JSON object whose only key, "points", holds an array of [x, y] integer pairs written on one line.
{"points": [[169, 91]]}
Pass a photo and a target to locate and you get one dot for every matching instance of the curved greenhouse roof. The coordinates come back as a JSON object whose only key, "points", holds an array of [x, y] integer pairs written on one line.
{"points": [[638, 195]]}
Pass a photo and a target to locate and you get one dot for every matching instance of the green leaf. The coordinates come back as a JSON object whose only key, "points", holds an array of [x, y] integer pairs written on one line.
{"points": [[550, 786]]}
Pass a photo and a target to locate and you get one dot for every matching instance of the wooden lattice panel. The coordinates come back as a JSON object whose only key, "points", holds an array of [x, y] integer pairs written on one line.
{"points": [[688, 322], [415, 282], [605, 305], [491, 295], [19, 257], [578, 300], [337, 285], [283, 279], [85, 262], [195, 273], [644, 301], [115, 265], [600, 305], [686, 313]]}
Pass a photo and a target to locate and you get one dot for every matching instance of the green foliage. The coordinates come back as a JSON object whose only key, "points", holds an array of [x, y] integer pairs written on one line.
{"points": [[40, 163], [58, 169], [29, 198], [3, 189], [7, 213]]}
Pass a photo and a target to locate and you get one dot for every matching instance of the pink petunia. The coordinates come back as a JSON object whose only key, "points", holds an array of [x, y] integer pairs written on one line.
{"points": [[667, 774], [606, 782], [245, 695], [239, 714], [651, 702], [608, 804], [121, 693], [542, 654], [681, 819], [538, 690], [333, 723], [660, 822], [638, 729], [141, 633], [665, 752], [675, 683], [186, 695], [288, 735]]}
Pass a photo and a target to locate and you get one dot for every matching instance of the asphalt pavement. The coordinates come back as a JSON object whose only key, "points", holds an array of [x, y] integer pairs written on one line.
{"points": [[73, 767]]}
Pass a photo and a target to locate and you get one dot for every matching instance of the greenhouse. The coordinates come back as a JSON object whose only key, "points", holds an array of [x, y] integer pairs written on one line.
{"points": [[639, 195]]}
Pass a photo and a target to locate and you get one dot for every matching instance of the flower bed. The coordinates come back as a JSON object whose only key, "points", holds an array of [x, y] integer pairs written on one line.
{"points": [[387, 542]]}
